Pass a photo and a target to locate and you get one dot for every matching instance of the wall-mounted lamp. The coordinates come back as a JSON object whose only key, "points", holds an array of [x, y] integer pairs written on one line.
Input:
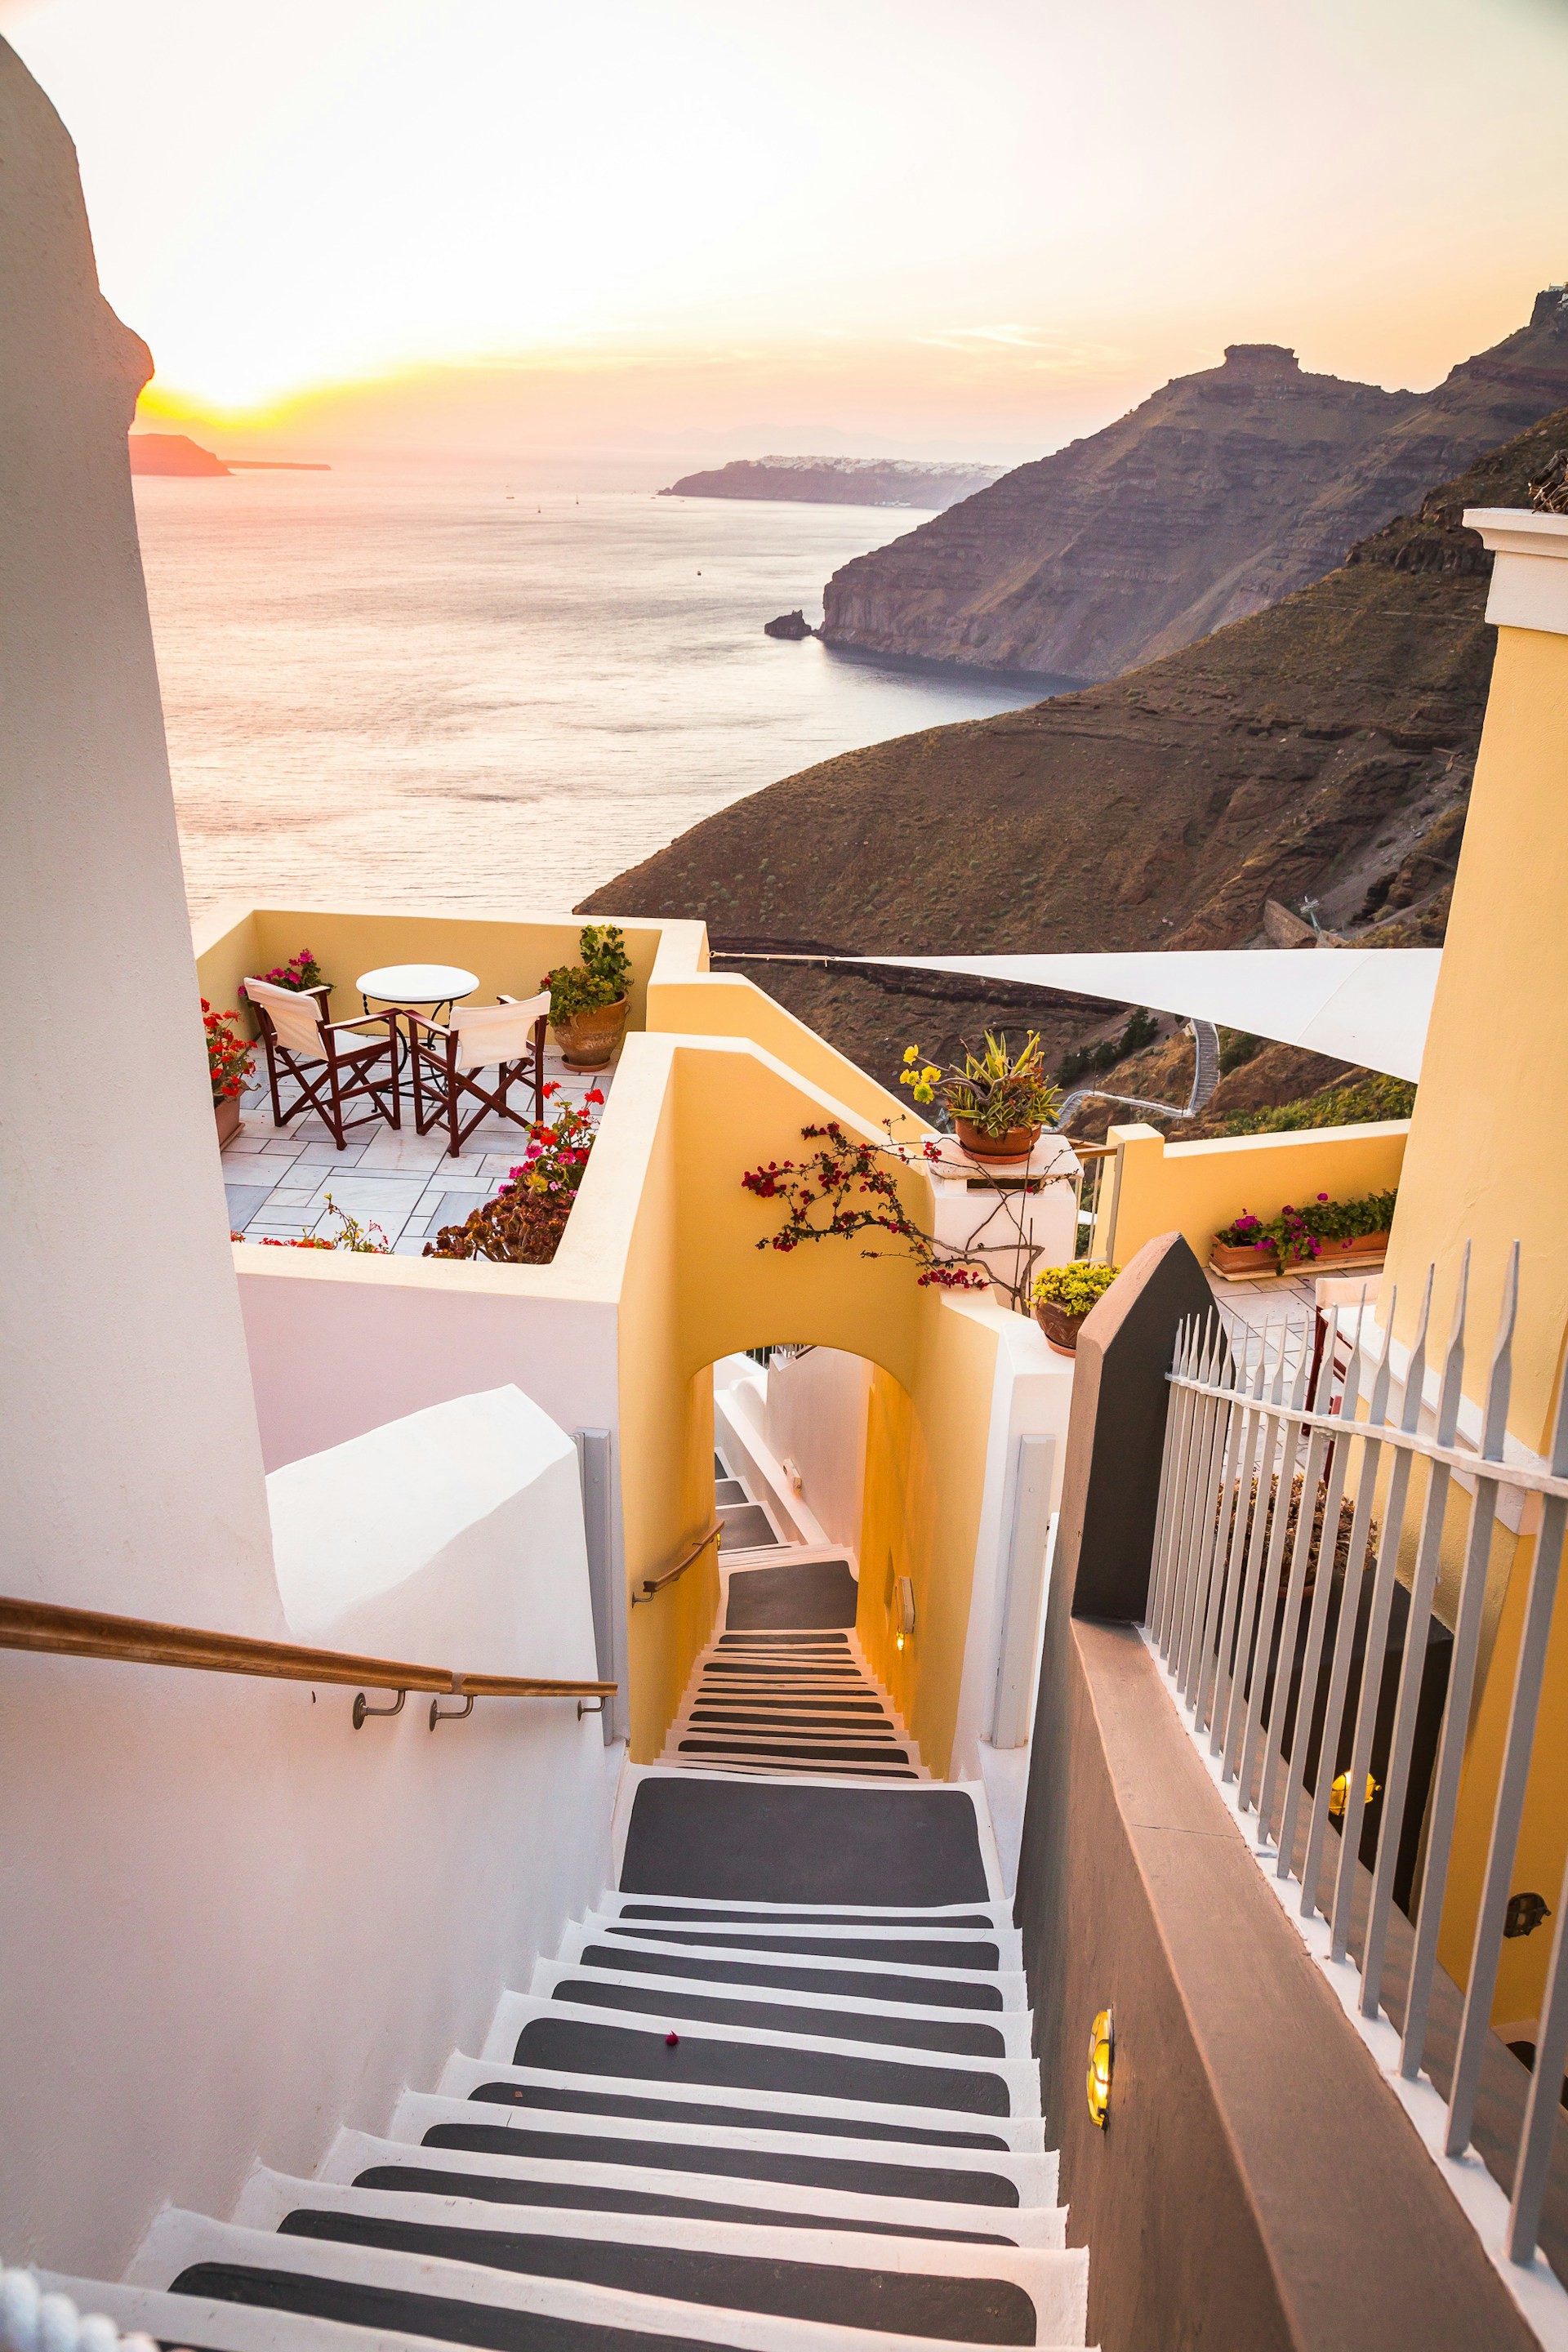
{"points": [[1101, 2049], [1340, 1792], [903, 1610]]}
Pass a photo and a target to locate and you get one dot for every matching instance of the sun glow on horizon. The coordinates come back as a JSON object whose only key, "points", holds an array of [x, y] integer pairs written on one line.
{"points": [[993, 229]]}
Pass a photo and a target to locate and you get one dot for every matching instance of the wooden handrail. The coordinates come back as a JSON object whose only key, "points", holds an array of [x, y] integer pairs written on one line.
{"points": [[140, 1641], [653, 1585]]}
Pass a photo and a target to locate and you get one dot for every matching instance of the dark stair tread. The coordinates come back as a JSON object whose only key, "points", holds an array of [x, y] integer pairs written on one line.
{"points": [[796, 1595], [494, 2189], [953, 2037], [904, 2302], [697, 1914], [809, 1640], [868, 1724], [865, 2176], [696, 2111], [801, 1753], [567, 2045], [398, 2311], [911, 1955], [689, 1834], [920, 1992]]}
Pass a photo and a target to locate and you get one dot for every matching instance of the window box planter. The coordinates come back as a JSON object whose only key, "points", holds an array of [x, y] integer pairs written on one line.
{"points": [[1228, 1257], [588, 1040], [1356, 1248]]}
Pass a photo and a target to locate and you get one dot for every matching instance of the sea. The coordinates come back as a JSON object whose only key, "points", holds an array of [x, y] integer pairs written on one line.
{"points": [[459, 690]]}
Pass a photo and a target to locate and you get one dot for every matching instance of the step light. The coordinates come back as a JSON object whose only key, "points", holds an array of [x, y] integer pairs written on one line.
{"points": [[1102, 2045]]}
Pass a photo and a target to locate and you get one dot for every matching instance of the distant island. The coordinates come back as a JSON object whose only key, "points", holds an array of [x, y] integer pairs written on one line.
{"points": [[176, 453], [839, 481]]}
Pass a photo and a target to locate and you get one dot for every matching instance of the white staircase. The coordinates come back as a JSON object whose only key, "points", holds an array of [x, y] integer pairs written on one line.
{"points": [[775, 2094]]}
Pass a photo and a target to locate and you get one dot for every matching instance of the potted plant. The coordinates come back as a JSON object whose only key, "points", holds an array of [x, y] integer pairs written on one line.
{"points": [[303, 975], [1321, 1232], [229, 1063], [1063, 1295], [589, 1000], [999, 1100]]}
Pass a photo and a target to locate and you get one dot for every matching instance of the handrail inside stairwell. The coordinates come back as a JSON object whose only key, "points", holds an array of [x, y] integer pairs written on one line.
{"points": [[140, 1641], [654, 1585]]}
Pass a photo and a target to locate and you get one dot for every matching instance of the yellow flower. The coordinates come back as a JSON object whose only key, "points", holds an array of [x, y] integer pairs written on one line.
{"points": [[930, 1073], [911, 1052]]}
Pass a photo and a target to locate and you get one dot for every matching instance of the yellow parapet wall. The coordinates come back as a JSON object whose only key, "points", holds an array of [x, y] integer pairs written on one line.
{"points": [[1154, 1186]]}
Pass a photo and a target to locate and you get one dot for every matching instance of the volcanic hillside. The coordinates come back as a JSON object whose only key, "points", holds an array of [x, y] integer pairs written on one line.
{"points": [[1322, 750]]}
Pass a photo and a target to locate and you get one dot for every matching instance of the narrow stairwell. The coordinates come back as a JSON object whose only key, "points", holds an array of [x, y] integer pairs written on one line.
{"points": [[775, 2094], [784, 1685]]}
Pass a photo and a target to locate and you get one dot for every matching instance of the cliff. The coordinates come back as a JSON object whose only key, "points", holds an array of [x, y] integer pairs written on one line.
{"points": [[172, 453], [837, 481], [1322, 748], [1217, 495]]}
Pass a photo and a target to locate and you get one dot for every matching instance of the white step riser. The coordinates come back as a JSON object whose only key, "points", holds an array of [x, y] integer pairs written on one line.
{"points": [[352, 2153], [177, 2240], [462, 2074], [1011, 2026], [269, 2195], [419, 2111], [1011, 1983], [1019, 2076]]}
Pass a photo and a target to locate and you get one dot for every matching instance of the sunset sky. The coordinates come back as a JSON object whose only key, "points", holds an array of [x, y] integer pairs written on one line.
{"points": [[971, 227]]}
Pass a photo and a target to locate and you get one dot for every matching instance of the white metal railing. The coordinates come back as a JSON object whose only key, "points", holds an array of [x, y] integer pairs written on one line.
{"points": [[32, 2321], [1297, 1524]]}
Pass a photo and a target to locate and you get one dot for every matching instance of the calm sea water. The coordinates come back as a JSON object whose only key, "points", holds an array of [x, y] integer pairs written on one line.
{"points": [[420, 691]]}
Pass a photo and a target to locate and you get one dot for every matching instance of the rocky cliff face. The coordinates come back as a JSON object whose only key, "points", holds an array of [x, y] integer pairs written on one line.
{"points": [[172, 453], [1322, 748], [1217, 497]]}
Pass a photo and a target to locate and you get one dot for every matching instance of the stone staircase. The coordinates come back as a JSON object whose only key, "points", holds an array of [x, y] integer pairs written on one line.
{"points": [[775, 2094], [784, 1685]]}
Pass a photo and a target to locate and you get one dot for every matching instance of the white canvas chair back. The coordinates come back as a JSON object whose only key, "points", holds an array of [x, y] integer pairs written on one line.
{"points": [[297, 1019], [496, 1033]]}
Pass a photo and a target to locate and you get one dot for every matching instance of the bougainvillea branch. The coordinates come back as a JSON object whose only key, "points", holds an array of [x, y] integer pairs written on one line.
{"points": [[847, 1188]]}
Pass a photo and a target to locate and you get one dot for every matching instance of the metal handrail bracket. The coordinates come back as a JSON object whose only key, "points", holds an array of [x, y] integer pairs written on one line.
{"points": [[652, 1586]]}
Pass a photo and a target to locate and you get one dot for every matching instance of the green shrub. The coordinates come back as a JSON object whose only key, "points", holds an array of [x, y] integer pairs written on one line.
{"points": [[1361, 1102], [1073, 1288]]}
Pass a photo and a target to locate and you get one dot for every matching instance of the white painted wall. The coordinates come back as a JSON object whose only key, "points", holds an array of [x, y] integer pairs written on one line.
{"points": [[228, 1922], [130, 1475], [232, 1922], [1032, 1391], [816, 1418]]}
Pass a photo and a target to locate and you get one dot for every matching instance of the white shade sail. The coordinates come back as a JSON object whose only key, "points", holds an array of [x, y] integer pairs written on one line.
{"points": [[1366, 1005]]}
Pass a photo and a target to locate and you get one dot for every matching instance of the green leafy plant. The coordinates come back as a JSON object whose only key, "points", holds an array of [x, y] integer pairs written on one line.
{"points": [[998, 1090], [229, 1059], [1072, 1290], [1238, 1047], [602, 977], [524, 1222]]}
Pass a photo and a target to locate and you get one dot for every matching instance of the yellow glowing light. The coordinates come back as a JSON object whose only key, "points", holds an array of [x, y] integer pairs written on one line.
{"points": [[1340, 1792], [1100, 2049]]}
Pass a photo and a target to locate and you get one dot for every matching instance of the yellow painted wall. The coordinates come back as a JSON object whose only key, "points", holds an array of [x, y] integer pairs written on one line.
{"points": [[1487, 1157], [722, 1005], [1487, 1163], [508, 957], [1195, 1189]]}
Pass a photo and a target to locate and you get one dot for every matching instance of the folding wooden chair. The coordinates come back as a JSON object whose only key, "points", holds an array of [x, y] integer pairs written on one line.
{"points": [[449, 1063], [346, 1066]]}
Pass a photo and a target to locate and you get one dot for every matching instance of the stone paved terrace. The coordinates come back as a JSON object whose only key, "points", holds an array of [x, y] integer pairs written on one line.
{"points": [[277, 1178]]}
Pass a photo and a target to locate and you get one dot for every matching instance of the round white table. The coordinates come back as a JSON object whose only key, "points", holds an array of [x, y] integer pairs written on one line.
{"points": [[416, 983]]}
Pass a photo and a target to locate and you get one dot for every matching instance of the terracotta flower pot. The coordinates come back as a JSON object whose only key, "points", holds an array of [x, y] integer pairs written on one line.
{"points": [[1061, 1330], [1227, 1257], [588, 1040], [225, 1111], [1016, 1144], [1357, 1245]]}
